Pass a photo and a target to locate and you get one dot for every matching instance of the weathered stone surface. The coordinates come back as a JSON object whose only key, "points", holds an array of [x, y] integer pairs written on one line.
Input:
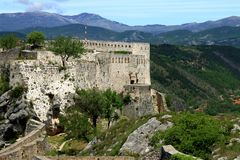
{"points": [[223, 158], [16, 113], [166, 116], [19, 115], [154, 155], [238, 158], [236, 128], [167, 151], [138, 141]]}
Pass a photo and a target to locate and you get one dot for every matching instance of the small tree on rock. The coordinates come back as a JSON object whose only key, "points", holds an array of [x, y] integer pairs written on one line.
{"points": [[67, 47], [8, 41], [36, 39]]}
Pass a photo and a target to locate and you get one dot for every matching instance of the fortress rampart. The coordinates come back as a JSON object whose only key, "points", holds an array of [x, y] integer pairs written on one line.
{"points": [[28, 146], [106, 65]]}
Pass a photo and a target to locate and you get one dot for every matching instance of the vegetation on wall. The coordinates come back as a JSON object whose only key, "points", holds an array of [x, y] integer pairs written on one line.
{"points": [[67, 47]]}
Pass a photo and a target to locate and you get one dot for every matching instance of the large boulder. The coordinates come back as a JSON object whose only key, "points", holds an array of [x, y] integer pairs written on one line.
{"points": [[138, 141]]}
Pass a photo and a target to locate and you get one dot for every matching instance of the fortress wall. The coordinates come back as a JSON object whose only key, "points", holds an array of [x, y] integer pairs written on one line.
{"points": [[126, 69], [85, 74], [48, 57], [108, 46], [103, 71], [142, 101], [42, 79], [119, 71], [99, 69], [26, 147]]}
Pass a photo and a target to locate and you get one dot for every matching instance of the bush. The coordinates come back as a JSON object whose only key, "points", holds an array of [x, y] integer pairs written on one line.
{"points": [[17, 91], [76, 125], [193, 134], [4, 86], [8, 42]]}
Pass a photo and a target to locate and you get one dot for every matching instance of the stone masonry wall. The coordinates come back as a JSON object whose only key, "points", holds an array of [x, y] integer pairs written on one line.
{"points": [[101, 68], [26, 147]]}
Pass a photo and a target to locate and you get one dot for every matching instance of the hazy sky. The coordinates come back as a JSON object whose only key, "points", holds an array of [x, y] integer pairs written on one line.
{"points": [[133, 12]]}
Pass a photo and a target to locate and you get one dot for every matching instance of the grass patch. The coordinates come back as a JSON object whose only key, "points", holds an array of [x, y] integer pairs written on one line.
{"points": [[56, 141], [181, 157], [73, 147]]}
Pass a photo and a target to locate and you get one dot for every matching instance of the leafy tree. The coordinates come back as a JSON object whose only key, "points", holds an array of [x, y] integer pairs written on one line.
{"points": [[8, 41], [76, 124], [67, 47], [96, 103], [36, 38], [112, 102], [194, 134], [91, 103]]}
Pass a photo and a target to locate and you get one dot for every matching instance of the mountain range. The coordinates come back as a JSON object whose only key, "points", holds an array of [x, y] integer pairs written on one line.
{"points": [[221, 32], [18, 21]]}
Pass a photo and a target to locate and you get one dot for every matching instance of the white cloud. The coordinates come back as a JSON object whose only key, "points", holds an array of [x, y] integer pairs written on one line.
{"points": [[32, 6]]}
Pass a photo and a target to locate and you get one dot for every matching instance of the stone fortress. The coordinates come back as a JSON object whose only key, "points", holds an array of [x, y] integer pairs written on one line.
{"points": [[123, 67]]}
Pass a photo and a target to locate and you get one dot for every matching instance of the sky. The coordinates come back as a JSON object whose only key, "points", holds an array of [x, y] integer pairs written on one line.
{"points": [[133, 12]]}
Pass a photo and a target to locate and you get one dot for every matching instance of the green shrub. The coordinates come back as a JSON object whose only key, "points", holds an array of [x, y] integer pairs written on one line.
{"points": [[17, 91], [181, 157], [193, 134], [4, 86], [76, 125]]}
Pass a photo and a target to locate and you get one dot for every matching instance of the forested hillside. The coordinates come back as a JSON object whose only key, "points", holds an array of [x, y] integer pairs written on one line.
{"points": [[204, 77]]}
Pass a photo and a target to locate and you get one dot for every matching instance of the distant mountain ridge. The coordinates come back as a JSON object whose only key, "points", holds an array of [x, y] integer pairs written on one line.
{"points": [[18, 21], [228, 36]]}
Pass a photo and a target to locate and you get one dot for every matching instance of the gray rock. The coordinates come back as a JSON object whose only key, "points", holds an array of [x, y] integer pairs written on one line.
{"points": [[167, 151], [5, 96], [21, 106], [236, 128], [235, 140], [223, 158], [238, 158], [138, 141], [19, 115], [154, 155], [166, 116], [4, 103], [216, 156], [2, 144]]}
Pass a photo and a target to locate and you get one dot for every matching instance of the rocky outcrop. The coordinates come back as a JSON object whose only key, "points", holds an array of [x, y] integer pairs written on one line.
{"points": [[138, 141], [168, 151], [14, 115]]}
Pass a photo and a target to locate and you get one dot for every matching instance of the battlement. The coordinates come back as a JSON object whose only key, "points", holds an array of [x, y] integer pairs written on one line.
{"points": [[109, 46]]}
